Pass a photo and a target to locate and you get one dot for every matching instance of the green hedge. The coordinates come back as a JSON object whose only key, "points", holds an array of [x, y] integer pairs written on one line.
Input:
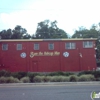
{"points": [[31, 77]]}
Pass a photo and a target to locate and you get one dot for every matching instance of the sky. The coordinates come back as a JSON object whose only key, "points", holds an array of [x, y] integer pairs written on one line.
{"points": [[70, 14]]}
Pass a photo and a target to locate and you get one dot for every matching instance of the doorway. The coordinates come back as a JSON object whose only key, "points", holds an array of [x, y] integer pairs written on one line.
{"points": [[35, 66]]}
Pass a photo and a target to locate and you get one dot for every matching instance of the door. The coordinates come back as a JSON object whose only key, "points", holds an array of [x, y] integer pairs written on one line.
{"points": [[35, 66]]}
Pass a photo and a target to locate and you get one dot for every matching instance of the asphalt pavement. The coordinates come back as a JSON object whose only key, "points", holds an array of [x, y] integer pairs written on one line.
{"points": [[49, 91]]}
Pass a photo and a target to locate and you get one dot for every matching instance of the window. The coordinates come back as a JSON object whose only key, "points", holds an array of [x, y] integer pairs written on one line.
{"points": [[87, 44], [51, 46], [19, 46], [36, 46], [70, 45], [4, 46]]}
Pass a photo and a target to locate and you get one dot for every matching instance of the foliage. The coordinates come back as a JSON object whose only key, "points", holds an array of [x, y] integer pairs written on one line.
{"points": [[60, 73], [27, 77], [17, 33], [19, 75], [6, 34], [47, 78], [55, 73], [47, 29], [3, 79], [12, 80], [5, 73], [73, 78], [8, 80], [88, 77], [93, 32], [51, 79], [59, 79], [38, 79], [25, 80]]}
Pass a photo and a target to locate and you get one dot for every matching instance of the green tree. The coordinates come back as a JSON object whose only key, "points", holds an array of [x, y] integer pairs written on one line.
{"points": [[86, 33], [6, 34], [47, 29], [20, 33]]}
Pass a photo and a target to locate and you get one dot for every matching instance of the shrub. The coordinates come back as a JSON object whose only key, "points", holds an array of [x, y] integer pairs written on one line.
{"points": [[59, 79], [65, 79], [56, 74], [46, 78], [3, 79], [54, 79], [53, 74], [85, 72], [31, 75], [96, 74], [8, 79], [5, 73], [88, 77], [38, 79], [25, 80], [68, 73], [73, 78], [19, 75], [11, 80]]}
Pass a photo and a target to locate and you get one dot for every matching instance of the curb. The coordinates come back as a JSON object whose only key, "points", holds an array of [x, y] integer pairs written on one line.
{"points": [[51, 84]]}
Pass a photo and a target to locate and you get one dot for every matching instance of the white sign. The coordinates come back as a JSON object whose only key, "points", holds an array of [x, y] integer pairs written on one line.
{"points": [[65, 54], [23, 55]]}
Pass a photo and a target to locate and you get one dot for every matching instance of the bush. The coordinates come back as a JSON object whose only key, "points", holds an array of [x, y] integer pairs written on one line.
{"points": [[31, 75], [12, 80], [3, 79], [86, 78], [60, 74], [19, 75], [46, 78], [8, 79], [5, 73], [59, 79], [54, 74], [65, 79], [69, 73], [55, 79], [73, 78], [96, 74], [25, 80], [38, 79]]}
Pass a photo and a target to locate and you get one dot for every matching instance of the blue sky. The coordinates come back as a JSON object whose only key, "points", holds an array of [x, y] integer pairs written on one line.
{"points": [[70, 14]]}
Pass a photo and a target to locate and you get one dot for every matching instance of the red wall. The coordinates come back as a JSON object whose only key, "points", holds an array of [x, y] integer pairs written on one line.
{"points": [[79, 59]]}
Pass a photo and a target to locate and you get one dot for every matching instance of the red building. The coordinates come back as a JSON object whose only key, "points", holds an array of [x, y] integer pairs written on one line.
{"points": [[47, 55]]}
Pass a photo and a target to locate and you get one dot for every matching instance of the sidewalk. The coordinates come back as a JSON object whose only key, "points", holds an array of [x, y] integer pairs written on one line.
{"points": [[51, 83]]}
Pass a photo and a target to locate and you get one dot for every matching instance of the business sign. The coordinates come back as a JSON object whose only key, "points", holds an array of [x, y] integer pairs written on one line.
{"points": [[55, 53]]}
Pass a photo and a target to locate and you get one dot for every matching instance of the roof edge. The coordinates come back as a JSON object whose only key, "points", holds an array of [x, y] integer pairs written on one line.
{"points": [[76, 39]]}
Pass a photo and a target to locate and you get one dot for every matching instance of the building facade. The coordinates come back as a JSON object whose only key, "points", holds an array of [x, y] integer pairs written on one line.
{"points": [[47, 55]]}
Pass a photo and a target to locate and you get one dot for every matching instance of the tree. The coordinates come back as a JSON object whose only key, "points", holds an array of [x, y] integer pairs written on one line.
{"points": [[47, 29], [6, 34], [20, 33], [86, 33]]}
